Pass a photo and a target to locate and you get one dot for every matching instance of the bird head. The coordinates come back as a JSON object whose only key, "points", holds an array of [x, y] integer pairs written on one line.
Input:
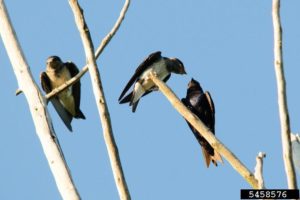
{"points": [[177, 66], [194, 85], [54, 63]]}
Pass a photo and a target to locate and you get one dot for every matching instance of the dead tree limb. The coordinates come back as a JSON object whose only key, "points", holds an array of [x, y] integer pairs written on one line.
{"points": [[282, 98], [99, 50], [38, 109], [100, 101], [205, 132], [258, 171]]}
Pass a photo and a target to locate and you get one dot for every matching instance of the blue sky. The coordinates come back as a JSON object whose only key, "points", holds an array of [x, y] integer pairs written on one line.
{"points": [[226, 45]]}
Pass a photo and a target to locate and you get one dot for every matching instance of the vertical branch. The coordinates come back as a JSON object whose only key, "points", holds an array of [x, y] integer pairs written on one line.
{"points": [[100, 101], [282, 99], [38, 109], [258, 172], [205, 132]]}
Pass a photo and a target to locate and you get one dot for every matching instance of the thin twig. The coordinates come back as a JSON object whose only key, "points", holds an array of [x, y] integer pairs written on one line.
{"points": [[113, 31], [38, 109], [205, 132], [18, 91], [100, 49], [282, 98], [100, 101], [258, 171]]}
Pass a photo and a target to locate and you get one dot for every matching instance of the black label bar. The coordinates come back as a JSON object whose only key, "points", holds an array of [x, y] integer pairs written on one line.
{"points": [[269, 194]]}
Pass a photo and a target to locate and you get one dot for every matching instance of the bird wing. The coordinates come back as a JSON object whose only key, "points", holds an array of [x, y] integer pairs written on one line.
{"points": [[76, 86], [210, 111], [45, 82], [128, 98], [141, 68], [62, 112], [75, 89], [210, 101]]}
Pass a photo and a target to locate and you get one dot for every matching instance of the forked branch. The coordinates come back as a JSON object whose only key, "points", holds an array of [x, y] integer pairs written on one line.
{"points": [[99, 50]]}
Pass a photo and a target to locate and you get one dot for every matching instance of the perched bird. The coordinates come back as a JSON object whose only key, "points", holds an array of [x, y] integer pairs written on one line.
{"points": [[202, 105], [67, 102], [143, 85]]}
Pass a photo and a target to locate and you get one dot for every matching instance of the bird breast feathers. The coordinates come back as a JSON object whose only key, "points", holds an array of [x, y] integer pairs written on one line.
{"points": [[144, 83], [60, 78], [194, 100], [159, 69]]}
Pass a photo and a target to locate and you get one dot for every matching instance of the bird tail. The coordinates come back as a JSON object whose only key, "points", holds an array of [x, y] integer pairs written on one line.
{"points": [[135, 97], [211, 158], [80, 115], [134, 106], [126, 99], [63, 113], [137, 93]]}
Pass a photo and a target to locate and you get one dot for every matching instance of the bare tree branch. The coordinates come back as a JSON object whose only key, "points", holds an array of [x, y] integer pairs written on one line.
{"points": [[100, 49], [38, 109], [282, 99], [258, 171], [100, 101], [113, 31], [205, 132]]}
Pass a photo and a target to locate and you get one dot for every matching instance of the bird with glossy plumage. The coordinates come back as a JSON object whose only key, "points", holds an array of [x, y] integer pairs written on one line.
{"points": [[202, 105]]}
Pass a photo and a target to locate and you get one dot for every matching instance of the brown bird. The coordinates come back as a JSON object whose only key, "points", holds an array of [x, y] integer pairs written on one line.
{"points": [[66, 103], [202, 105]]}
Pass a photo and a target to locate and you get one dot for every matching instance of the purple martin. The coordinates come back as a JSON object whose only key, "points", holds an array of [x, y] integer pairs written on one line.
{"points": [[67, 102], [161, 66], [202, 105]]}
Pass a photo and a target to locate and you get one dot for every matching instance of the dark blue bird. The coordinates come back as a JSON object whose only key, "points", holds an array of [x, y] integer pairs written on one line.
{"points": [[202, 105]]}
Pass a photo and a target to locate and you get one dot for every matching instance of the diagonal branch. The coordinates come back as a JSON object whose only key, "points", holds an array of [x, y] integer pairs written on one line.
{"points": [[282, 98], [113, 31], [38, 109], [100, 101], [100, 49], [205, 132]]}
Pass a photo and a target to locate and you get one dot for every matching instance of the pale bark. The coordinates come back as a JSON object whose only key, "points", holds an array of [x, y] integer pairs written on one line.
{"points": [[99, 50], [100, 101], [38, 109], [282, 98], [205, 132], [258, 171]]}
